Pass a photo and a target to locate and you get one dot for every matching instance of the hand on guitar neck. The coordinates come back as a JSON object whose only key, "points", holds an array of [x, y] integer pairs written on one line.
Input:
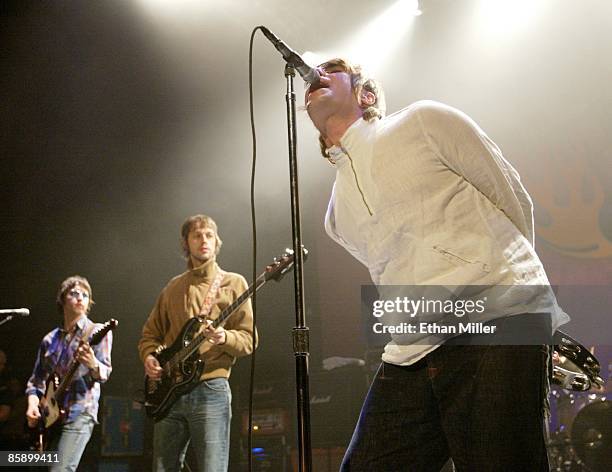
{"points": [[216, 335], [85, 355]]}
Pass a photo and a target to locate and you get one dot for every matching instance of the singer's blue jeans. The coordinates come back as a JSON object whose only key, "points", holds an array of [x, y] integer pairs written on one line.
{"points": [[203, 417], [483, 406]]}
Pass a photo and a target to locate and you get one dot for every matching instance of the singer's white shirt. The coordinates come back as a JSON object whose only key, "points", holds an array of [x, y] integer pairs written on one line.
{"points": [[424, 197]]}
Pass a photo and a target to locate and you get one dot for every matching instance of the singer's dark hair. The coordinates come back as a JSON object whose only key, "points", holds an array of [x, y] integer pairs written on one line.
{"points": [[194, 221], [359, 82], [68, 285]]}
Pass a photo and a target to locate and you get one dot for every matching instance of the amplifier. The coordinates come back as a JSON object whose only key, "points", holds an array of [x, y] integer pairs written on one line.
{"points": [[335, 403], [122, 427], [267, 422], [266, 394], [270, 454]]}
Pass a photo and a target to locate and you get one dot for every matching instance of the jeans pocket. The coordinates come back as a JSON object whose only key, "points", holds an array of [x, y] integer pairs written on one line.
{"points": [[219, 384]]}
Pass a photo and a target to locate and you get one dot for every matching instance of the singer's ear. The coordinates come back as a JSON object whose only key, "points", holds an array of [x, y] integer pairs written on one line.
{"points": [[366, 99]]}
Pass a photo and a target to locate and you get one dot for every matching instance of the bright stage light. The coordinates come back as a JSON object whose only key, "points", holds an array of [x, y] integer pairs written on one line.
{"points": [[314, 59], [501, 17], [408, 7], [377, 40], [180, 11], [166, 6]]}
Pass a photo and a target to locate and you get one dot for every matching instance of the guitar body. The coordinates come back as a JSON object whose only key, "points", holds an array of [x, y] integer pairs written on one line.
{"points": [[178, 376], [50, 405], [50, 412], [181, 364], [49, 408], [48, 426], [41, 436]]}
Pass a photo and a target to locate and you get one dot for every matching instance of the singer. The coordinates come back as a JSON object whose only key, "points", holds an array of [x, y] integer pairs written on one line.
{"points": [[425, 197], [55, 355]]}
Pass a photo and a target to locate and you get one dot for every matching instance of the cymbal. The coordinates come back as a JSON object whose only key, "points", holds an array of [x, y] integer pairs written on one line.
{"points": [[592, 435]]}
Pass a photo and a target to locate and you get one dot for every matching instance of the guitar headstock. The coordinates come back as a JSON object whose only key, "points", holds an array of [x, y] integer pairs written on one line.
{"points": [[100, 333], [282, 264]]}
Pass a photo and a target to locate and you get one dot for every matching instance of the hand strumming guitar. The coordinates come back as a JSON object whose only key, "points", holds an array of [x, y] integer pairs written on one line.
{"points": [[214, 335], [152, 367]]}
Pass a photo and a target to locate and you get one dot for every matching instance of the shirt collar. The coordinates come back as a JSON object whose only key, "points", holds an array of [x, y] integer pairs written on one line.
{"points": [[356, 139], [335, 154], [206, 271], [78, 326]]}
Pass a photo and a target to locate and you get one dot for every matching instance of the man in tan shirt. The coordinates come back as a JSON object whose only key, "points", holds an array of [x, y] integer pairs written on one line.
{"points": [[203, 415]]}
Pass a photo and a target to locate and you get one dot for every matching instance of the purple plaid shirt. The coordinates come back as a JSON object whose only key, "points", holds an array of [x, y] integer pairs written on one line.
{"points": [[55, 355]]}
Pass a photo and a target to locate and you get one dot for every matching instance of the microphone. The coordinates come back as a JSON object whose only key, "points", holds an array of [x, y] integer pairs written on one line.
{"points": [[309, 74], [16, 311]]}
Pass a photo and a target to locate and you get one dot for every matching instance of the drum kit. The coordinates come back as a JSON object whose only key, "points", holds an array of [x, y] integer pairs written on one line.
{"points": [[581, 411]]}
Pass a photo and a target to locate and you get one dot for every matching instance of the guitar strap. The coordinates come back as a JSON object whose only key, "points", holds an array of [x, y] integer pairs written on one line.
{"points": [[66, 348], [211, 294]]}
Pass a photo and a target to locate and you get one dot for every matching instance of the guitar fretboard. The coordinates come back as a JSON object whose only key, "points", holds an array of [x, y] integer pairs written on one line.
{"points": [[195, 343], [74, 365]]}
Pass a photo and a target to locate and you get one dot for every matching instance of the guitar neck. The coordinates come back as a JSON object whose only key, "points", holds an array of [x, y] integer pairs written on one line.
{"points": [[74, 365], [224, 315], [248, 293]]}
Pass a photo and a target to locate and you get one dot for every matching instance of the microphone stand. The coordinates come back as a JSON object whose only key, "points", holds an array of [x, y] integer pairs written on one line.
{"points": [[300, 332], [7, 319]]}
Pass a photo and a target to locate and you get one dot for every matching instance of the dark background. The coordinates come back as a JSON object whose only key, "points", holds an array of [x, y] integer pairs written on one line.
{"points": [[121, 118]]}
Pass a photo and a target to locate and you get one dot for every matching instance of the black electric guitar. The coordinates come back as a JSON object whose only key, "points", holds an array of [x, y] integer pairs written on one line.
{"points": [[181, 363], [50, 405]]}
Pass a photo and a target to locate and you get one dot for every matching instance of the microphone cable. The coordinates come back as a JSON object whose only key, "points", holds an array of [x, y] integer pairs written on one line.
{"points": [[254, 233]]}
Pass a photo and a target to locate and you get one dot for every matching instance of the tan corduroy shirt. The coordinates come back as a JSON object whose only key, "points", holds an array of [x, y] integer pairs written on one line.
{"points": [[182, 299]]}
